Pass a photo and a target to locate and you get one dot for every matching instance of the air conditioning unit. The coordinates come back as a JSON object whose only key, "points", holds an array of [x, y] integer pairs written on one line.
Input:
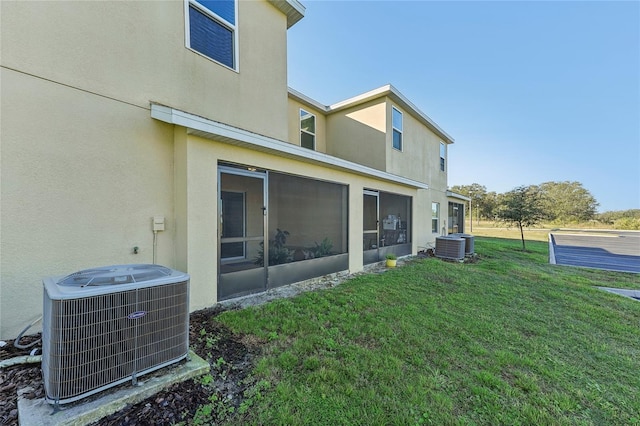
{"points": [[450, 247], [469, 242], [106, 326]]}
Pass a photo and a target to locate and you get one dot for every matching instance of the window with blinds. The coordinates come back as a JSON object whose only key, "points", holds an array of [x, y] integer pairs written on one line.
{"points": [[211, 29]]}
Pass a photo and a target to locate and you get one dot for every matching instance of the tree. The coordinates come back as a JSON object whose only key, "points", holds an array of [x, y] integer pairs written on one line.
{"points": [[523, 207], [488, 205], [609, 217], [568, 201]]}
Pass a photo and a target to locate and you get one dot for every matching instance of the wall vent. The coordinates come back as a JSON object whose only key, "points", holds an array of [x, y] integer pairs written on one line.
{"points": [[106, 326], [450, 247]]}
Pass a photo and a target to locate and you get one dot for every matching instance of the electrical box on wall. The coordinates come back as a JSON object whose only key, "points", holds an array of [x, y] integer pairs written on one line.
{"points": [[158, 223]]}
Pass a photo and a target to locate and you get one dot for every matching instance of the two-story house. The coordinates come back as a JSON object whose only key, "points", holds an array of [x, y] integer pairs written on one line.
{"points": [[116, 115]]}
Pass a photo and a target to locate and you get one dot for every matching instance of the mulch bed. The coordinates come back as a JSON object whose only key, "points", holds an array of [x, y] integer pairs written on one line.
{"points": [[231, 358]]}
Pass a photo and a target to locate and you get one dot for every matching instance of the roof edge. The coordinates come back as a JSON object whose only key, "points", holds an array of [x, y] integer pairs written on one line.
{"points": [[456, 195], [393, 93], [292, 8], [301, 97]]}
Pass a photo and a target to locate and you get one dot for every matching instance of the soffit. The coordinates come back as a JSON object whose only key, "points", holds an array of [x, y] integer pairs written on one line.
{"points": [[221, 132], [458, 196], [292, 8]]}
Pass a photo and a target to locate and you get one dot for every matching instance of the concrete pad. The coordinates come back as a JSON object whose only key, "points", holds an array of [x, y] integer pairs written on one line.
{"points": [[39, 412], [634, 294]]}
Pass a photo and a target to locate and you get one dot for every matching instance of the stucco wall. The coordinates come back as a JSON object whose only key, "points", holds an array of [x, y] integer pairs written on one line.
{"points": [[420, 155], [134, 51], [81, 178], [359, 134]]}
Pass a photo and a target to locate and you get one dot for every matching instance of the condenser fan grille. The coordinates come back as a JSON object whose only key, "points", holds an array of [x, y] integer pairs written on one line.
{"points": [[450, 247], [99, 341]]}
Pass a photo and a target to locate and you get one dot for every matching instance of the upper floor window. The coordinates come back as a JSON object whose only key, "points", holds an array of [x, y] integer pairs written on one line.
{"points": [[443, 155], [211, 29], [396, 119], [307, 130], [435, 216]]}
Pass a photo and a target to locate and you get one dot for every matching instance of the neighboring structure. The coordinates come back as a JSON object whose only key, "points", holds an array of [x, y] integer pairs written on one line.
{"points": [[164, 132]]}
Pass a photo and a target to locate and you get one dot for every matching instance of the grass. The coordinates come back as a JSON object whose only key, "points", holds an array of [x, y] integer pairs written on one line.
{"points": [[507, 340]]}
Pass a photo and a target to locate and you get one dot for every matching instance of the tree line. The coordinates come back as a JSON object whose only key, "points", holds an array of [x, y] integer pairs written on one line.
{"points": [[553, 202]]}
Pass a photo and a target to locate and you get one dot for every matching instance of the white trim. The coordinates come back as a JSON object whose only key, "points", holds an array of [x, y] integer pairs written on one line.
{"points": [[292, 8], [224, 133], [221, 21], [302, 98]]}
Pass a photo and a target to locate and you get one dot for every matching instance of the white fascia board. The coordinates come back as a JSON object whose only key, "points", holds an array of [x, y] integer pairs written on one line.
{"points": [[456, 195], [221, 131], [301, 97], [360, 99], [403, 101], [430, 123], [292, 8]]}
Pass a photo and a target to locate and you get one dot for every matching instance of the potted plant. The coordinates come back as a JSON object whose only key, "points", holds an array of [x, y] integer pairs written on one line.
{"points": [[391, 260]]}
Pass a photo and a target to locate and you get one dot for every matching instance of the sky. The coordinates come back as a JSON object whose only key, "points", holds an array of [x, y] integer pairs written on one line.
{"points": [[531, 92]]}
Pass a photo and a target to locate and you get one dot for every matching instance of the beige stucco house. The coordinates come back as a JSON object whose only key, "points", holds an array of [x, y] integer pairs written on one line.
{"points": [[119, 115]]}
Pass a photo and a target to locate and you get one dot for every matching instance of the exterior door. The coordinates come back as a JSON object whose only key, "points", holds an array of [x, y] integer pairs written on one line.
{"points": [[242, 219], [370, 221]]}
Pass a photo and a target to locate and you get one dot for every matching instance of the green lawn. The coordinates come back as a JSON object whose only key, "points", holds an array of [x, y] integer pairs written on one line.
{"points": [[507, 340]]}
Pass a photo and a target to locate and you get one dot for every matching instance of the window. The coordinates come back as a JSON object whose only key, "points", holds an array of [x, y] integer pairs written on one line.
{"points": [[396, 119], [443, 151], [435, 217], [211, 29], [307, 130]]}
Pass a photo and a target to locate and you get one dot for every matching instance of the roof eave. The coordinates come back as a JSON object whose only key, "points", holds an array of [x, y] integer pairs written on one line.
{"points": [[302, 98], [225, 133], [292, 8], [456, 195], [396, 96]]}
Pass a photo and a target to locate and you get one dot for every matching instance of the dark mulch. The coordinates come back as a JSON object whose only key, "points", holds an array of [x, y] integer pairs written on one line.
{"points": [[231, 358]]}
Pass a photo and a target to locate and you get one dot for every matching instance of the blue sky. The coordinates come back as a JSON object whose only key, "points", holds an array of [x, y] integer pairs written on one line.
{"points": [[531, 91]]}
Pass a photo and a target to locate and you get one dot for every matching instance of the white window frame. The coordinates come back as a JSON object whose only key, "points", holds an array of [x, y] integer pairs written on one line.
{"points": [[393, 128], [437, 218], [443, 157], [220, 20], [315, 124]]}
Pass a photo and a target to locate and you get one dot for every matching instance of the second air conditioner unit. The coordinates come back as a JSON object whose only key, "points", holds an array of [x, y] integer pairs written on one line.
{"points": [[469, 242], [450, 247]]}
